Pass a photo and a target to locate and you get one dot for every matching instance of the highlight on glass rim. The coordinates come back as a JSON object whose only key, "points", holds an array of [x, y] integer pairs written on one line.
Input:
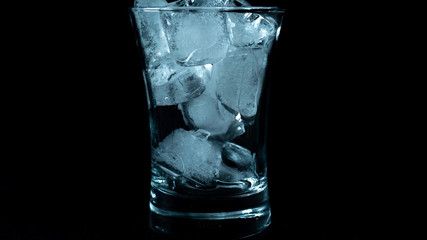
{"points": [[205, 64]]}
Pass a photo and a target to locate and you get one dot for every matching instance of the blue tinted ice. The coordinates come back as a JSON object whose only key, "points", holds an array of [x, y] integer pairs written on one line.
{"points": [[251, 29], [209, 3], [180, 86], [237, 157], [239, 79], [156, 48], [171, 83], [190, 154], [211, 64], [238, 164], [207, 113], [214, 3], [197, 38], [150, 3]]}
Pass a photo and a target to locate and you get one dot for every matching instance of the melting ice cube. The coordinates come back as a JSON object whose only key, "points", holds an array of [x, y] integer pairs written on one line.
{"points": [[239, 78], [207, 113], [173, 87], [153, 38], [251, 29], [236, 156], [170, 83], [196, 38], [238, 164], [190, 154]]}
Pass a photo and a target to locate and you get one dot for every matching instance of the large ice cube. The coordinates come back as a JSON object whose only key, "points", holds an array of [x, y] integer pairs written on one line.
{"points": [[207, 113], [162, 72], [251, 29], [239, 78], [190, 154], [172, 86], [153, 38], [196, 38]]}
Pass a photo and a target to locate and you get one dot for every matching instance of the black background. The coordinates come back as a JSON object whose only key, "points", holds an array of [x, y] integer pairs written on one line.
{"points": [[76, 142]]}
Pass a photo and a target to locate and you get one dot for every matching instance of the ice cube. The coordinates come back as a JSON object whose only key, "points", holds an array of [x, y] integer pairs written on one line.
{"points": [[251, 29], [236, 156], [207, 113], [196, 38], [239, 78], [209, 3], [215, 3], [190, 154], [171, 87], [150, 3], [238, 164], [162, 72], [152, 36]]}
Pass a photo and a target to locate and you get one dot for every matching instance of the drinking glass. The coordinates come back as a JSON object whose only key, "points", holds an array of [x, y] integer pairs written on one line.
{"points": [[205, 78]]}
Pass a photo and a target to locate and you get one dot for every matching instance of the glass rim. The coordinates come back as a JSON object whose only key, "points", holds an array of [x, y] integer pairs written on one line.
{"points": [[205, 9]]}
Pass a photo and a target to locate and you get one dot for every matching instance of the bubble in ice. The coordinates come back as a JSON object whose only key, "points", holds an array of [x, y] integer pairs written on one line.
{"points": [[239, 79], [170, 87], [207, 113], [190, 154], [251, 29], [198, 38]]}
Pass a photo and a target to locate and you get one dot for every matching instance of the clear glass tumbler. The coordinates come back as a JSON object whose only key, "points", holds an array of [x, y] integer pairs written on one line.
{"points": [[204, 70]]}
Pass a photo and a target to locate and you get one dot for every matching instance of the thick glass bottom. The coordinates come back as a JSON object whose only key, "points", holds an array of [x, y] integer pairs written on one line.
{"points": [[205, 218]]}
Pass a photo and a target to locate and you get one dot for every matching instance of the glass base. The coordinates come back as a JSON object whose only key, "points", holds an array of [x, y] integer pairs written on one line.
{"points": [[231, 217]]}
